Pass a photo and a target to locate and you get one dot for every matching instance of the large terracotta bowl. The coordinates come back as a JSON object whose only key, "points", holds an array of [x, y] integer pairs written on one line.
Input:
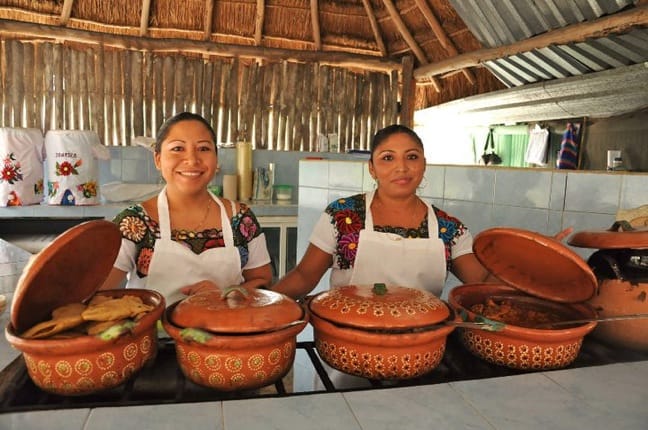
{"points": [[85, 365], [240, 361], [519, 347], [620, 297], [381, 356], [380, 332]]}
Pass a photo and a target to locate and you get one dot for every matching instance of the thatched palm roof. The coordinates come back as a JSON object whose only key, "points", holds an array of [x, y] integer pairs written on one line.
{"points": [[455, 48]]}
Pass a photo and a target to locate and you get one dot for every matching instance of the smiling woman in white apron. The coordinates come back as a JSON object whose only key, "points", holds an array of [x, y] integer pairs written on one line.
{"points": [[389, 235], [186, 237]]}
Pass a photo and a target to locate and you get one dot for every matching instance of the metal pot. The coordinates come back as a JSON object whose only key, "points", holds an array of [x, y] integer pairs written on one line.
{"points": [[380, 332], [235, 339]]}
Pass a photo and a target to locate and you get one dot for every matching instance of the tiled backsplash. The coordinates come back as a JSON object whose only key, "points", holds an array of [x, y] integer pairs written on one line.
{"points": [[134, 164], [545, 201]]}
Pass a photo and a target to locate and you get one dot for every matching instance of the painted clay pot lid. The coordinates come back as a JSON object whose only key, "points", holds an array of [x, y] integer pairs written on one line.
{"points": [[622, 235], [70, 269], [379, 306], [536, 264], [236, 310]]}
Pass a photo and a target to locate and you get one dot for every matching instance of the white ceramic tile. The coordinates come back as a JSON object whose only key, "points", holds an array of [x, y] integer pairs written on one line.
{"points": [[476, 216], [555, 223], [530, 401], [526, 218], [617, 389], [313, 412], [346, 175], [206, 415], [587, 221], [66, 419], [433, 182], [368, 183], [591, 192], [427, 407], [522, 187], [634, 192], [313, 173], [558, 186], [472, 184]]}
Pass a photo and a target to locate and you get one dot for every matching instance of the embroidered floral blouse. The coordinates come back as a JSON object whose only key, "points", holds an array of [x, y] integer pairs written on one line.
{"points": [[339, 228], [141, 232]]}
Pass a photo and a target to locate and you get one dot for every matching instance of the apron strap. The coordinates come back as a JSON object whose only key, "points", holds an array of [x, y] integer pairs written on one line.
{"points": [[433, 225], [226, 225]]}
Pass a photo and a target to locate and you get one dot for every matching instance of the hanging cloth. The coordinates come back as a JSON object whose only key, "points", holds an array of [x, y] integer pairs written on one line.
{"points": [[568, 155], [536, 152]]}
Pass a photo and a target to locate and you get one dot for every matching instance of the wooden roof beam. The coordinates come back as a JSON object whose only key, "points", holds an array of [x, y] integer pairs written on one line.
{"points": [[611, 24], [374, 27], [259, 19], [441, 35], [317, 35], [209, 18], [144, 17], [66, 11], [48, 32], [409, 39]]}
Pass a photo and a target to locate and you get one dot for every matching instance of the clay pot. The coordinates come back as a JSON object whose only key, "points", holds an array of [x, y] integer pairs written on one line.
{"points": [[389, 335], [622, 272], [520, 347], [233, 340], [534, 266], [70, 270], [87, 364], [619, 297]]}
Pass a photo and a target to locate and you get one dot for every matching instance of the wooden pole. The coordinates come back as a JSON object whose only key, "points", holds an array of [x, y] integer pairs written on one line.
{"points": [[617, 23], [408, 93]]}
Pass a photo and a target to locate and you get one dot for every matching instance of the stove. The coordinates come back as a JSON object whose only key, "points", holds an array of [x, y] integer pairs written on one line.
{"points": [[162, 382]]}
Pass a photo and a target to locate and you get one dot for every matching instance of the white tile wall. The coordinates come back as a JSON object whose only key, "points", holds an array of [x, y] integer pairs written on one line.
{"points": [[542, 200]]}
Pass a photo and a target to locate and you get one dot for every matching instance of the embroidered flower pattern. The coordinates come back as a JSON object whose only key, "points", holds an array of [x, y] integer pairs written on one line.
{"points": [[348, 216], [11, 169], [89, 189], [136, 226], [66, 168], [38, 187]]}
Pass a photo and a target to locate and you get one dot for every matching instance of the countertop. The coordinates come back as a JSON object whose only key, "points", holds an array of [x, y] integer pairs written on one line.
{"points": [[597, 397], [261, 208]]}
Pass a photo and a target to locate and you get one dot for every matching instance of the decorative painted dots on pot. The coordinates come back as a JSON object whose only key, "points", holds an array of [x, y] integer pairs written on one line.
{"points": [[274, 356], [145, 345], [106, 360], [233, 364], [130, 351], [109, 379], [216, 379], [63, 368], [213, 362], [83, 366], [256, 361]]}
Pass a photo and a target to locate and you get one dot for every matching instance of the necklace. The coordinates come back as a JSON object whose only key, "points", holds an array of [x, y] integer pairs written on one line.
{"points": [[412, 217], [200, 224]]}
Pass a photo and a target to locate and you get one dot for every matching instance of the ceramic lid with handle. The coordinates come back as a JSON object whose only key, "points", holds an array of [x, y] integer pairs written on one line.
{"points": [[379, 306], [621, 235], [68, 270], [236, 310], [534, 263]]}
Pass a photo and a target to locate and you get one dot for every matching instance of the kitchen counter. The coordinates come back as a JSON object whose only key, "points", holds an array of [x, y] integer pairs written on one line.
{"points": [[109, 210], [597, 397]]}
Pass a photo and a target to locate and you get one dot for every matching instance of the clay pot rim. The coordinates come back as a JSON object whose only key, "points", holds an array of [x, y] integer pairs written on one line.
{"points": [[388, 340], [88, 343], [437, 316], [232, 340], [546, 335], [274, 311]]}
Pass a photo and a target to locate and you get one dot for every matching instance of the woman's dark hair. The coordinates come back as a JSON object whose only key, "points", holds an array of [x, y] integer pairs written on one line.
{"points": [[164, 129], [390, 130]]}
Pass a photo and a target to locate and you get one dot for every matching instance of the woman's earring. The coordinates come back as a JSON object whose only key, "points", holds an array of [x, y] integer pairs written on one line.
{"points": [[375, 184]]}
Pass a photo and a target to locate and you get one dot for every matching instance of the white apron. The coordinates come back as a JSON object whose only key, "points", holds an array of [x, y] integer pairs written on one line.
{"points": [[174, 265], [393, 259]]}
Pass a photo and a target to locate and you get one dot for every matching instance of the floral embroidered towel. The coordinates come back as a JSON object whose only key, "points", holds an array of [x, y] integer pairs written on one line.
{"points": [[21, 150], [72, 167]]}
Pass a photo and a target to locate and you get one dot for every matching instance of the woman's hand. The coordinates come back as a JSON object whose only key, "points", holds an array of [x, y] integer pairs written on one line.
{"points": [[199, 287]]}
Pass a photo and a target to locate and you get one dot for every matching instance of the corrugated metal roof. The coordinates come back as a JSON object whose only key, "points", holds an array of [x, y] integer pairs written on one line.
{"points": [[503, 22]]}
